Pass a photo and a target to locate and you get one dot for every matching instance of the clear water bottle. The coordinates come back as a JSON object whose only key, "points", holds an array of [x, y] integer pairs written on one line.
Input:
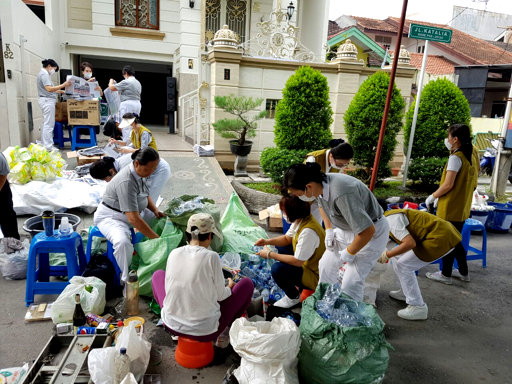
{"points": [[122, 366], [65, 228], [266, 295]]}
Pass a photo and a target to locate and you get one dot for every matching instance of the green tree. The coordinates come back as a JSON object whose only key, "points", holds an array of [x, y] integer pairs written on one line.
{"points": [[304, 114], [363, 120], [303, 119], [245, 123], [442, 104]]}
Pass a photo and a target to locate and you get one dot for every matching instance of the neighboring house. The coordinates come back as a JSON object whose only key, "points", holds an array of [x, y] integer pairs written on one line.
{"points": [[160, 38], [482, 24]]}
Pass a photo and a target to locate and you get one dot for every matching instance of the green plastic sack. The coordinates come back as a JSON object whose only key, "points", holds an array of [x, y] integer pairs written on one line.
{"points": [[240, 232], [153, 253], [333, 354], [181, 219]]}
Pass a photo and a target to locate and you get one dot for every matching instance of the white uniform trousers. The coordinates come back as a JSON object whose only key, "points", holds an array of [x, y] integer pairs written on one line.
{"points": [[158, 179], [116, 229], [356, 271], [47, 106], [405, 265]]}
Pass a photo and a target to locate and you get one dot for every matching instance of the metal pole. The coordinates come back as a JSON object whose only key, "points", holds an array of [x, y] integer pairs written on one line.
{"points": [[23, 80], [499, 181], [388, 98], [415, 117]]}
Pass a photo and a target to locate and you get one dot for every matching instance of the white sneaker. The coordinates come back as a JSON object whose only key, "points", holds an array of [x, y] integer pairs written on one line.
{"points": [[438, 276], [457, 275], [397, 295], [412, 312], [286, 302]]}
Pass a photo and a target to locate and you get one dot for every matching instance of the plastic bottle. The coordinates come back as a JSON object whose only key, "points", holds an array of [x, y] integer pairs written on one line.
{"points": [[79, 318], [266, 295], [132, 294], [122, 366], [65, 228]]}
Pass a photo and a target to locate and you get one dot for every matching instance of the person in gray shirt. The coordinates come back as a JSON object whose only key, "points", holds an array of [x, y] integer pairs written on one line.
{"points": [[125, 199], [8, 221], [129, 90], [47, 93], [355, 232]]}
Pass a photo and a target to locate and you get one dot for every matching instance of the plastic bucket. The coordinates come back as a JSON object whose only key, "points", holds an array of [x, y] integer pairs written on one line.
{"points": [[481, 216], [34, 225], [500, 219]]}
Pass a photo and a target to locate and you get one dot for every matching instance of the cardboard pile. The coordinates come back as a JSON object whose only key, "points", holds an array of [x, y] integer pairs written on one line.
{"points": [[274, 218], [86, 112]]}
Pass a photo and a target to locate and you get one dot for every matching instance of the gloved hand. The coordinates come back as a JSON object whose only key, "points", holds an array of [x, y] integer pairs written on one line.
{"points": [[430, 202], [346, 256], [383, 259], [435, 202], [329, 238]]}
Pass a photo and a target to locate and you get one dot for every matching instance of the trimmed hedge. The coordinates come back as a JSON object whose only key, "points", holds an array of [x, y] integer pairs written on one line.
{"points": [[275, 161]]}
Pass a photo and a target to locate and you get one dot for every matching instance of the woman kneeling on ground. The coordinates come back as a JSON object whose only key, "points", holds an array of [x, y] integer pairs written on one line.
{"points": [[195, 301], [292, 273], [140, 136], [422, 238]]}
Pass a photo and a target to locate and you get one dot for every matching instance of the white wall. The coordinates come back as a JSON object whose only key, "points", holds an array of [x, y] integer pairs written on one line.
{"points": [[18, 20]]}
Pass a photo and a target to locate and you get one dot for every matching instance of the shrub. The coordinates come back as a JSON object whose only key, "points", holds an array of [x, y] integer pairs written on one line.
{"points": [[363, 120], [442, 104], [427, 170], [304, 114], [244, 125], [275, 161]]}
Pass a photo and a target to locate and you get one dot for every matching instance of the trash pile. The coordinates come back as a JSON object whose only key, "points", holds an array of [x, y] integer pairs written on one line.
{"points": [[33, 163], [345, 313]]}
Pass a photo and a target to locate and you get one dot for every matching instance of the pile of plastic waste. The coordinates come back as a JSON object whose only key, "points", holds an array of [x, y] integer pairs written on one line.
{"points": [[479, 203], [343, 312], [188, 206], [33, 163], [257, 269]]}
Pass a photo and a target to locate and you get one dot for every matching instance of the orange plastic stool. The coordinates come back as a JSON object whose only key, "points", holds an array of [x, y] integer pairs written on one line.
{"points": [[193, 354], [305, 294]]}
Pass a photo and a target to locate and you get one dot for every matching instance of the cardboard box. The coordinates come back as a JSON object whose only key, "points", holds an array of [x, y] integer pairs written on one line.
{"points": [[274, 218], [81, 160], [61, 111], [86, 112]]}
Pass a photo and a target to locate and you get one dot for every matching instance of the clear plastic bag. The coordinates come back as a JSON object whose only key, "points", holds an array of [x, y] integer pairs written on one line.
{"points": [[101, 365], [13, 266], [137, 347]]}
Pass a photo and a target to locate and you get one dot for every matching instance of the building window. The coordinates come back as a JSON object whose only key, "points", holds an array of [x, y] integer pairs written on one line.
{"points": [[385, 41], [137, 13], [420, 49], [233, 13], [270, 107]]}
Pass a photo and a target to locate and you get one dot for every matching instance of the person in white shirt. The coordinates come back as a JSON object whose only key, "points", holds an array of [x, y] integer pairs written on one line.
{"points": [[195, 301], [294, 272]]}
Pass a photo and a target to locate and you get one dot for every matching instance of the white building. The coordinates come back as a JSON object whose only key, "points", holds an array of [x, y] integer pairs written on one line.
{"points": [[160, 38]]}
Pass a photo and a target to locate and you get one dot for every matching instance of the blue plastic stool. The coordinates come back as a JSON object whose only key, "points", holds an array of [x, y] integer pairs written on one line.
{"points": [[78, 142], [39, 271], [58, 134], [95, 232], [472, 252]]}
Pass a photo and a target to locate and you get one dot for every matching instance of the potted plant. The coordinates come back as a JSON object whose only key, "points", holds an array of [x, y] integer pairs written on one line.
{"points": [[241, 127]]}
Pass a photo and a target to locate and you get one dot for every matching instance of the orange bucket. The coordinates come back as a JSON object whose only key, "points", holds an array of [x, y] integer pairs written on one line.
{"points": [[193, 354], [305, 294]]}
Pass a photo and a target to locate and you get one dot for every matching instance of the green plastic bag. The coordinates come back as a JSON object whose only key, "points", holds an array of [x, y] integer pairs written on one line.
{"points": [[181, 219], [240, 232], [153, 253], [333, 354]]}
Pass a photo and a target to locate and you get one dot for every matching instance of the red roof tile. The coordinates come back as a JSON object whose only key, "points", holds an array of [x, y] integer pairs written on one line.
{"points": [[374, 24], [471, 49], [436, 65]]}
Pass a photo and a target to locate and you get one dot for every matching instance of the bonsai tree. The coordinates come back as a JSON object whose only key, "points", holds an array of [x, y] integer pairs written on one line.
{"points": [[303, 119], [363, 120], [244, 125], [442, 104]]}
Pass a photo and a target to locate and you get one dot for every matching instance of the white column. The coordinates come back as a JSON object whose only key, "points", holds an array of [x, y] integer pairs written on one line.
{"points": [[314, 25]]}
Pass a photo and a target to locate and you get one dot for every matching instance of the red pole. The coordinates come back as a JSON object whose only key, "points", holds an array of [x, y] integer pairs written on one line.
{"points": [[388, 98]]}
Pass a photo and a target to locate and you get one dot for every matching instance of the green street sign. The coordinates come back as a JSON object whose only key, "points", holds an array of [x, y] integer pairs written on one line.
{"points": [[426, 32]]}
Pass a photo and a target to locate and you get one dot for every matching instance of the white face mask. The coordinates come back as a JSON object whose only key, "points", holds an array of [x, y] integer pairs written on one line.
{"points": [[87, 75], [52, 71], [305, 198], [336, 167], [447, 144]]}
